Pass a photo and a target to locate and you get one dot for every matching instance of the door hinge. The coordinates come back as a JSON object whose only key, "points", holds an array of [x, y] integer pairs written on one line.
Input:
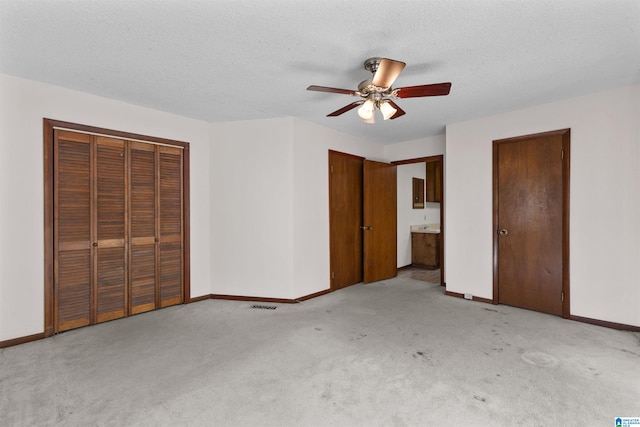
{"points": [[562, 154], [333, 275], [562, 294], [331, 168]]}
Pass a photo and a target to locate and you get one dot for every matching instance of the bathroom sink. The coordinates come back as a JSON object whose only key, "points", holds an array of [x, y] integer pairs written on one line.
{"points": [[426, 228]]}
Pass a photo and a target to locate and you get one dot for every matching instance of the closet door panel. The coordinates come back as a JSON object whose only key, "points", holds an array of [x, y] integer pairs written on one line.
{"points": [[143, 278], [110, 226], [73, 289], [72, 231], [170, 228], [143, 190], [73, 189], [143, 219], [111, 279], [170, 274]]}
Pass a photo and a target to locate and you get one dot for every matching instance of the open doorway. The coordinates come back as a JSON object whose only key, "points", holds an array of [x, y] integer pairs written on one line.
{"points": [[421, 225], [348, 219]]}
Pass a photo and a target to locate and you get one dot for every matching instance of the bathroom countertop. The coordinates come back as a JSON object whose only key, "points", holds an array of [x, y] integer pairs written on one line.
{"points": [[426, 228]]}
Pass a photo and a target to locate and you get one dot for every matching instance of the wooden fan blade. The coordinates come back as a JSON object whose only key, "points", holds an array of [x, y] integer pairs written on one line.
{"points": [[387, 72], [437, 89], [331, 90], [398, 113], [345, 109]]}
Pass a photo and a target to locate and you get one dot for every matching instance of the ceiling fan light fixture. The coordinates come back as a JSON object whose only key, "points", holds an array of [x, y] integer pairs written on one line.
{"points": [[387, 110], [370, 120], [367, 109]]}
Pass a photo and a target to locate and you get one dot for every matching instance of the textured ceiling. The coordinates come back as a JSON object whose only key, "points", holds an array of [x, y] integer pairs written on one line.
{"points": [[233, 60]]}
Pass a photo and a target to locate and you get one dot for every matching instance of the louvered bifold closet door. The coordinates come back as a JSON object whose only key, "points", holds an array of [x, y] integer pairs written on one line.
{"points": [[73, 263], [118, 228], [170, 226], [143, 223], [110, 229]]}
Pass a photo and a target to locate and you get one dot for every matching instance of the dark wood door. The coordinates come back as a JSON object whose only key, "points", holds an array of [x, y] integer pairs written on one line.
{"points": [[345, 219], [380, 221], [529, 227]]}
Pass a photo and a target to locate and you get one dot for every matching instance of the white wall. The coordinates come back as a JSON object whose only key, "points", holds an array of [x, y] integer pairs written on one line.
{"points": [[270, 205], [311, 199], [259, 197], [252, 208], [423, 147], [604, 199], [23, 105], [259, 225], [407, 216]]}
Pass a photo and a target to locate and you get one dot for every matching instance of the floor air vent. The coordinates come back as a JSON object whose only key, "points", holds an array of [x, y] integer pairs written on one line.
{"points": [[264, 307]]}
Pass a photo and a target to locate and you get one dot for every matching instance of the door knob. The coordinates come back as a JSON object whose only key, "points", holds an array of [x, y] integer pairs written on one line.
{"points": [[504, 232]]}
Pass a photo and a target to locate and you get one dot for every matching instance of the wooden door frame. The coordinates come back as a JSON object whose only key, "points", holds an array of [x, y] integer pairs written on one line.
{"points": [[566, 157], [439, 157], [48, 138]]}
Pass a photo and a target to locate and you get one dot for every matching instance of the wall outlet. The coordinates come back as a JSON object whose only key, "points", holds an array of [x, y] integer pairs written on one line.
{"points": [[468, 296]]}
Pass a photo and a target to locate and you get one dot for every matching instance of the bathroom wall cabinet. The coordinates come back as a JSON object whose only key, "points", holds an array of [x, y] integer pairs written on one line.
{"points": [[434, 176]]}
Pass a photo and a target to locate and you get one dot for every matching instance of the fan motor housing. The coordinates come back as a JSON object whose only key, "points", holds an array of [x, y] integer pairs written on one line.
{"points": [[366, 88]]}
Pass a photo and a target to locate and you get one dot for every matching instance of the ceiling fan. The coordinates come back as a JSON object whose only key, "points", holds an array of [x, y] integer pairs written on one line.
{"points": [[378, 93]]}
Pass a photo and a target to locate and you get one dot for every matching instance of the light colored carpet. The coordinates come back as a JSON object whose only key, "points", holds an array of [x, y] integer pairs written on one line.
{"points": [[392, 353]]}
